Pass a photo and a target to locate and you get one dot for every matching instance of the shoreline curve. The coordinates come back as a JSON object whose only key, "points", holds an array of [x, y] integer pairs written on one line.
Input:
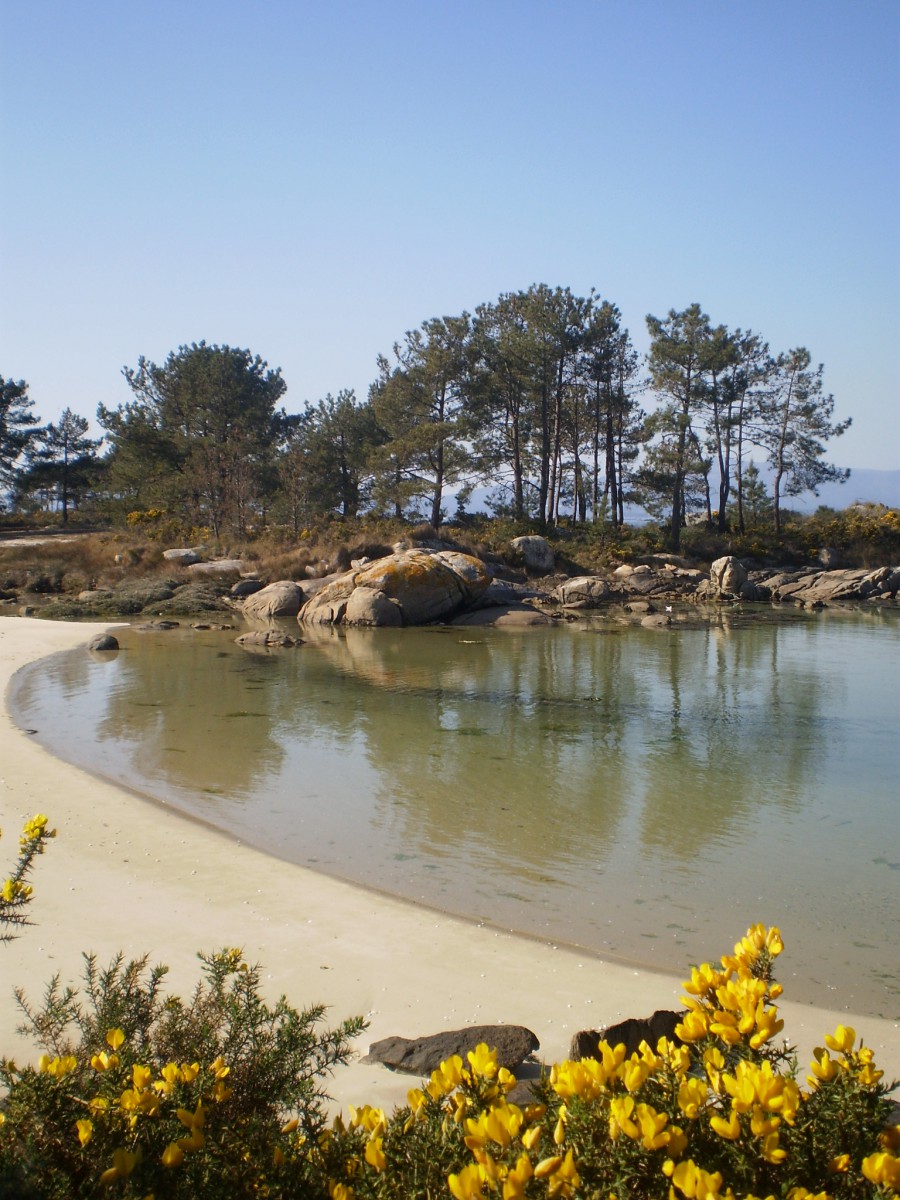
{"points": [[142, 878]]}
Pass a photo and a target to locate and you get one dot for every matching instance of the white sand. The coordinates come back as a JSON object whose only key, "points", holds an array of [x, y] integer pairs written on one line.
{"points": [[125, 874]]}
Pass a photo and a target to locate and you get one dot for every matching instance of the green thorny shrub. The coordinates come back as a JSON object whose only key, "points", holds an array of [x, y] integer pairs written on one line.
{"points": [[15, 894], [139, 1093], [221, 1097]]}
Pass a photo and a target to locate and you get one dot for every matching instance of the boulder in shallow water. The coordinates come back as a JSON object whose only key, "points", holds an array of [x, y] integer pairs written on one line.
{"points": [[103, 641], [281, 599]]}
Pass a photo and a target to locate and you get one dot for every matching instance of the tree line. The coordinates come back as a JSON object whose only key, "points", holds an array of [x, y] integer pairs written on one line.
{"points": [[537, 395]]}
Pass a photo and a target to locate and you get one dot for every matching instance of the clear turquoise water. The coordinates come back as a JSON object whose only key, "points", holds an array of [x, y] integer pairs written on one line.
{"points": [[643, 794]]}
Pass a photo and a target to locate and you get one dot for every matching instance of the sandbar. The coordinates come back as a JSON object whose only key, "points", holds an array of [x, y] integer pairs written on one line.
{"points": [[126, 874]]}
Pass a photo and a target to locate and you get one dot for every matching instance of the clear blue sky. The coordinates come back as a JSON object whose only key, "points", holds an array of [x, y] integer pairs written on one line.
{"points": [[310, 180]]}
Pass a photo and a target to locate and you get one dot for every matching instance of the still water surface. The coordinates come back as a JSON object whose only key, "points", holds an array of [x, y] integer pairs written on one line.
{"points": [[644, 794]]}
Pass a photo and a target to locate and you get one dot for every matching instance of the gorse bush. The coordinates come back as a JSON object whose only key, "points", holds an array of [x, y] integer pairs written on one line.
{"points": [[141, 1095], [16, 893]]}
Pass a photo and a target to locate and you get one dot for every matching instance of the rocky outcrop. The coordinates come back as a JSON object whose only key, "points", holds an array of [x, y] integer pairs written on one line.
{"points": [[421, 1056], [812, 588], [420, 585], [281, 599]]}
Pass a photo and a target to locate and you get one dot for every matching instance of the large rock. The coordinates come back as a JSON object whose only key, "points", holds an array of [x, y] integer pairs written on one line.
{"points": [[727, 576], [535, 552], [586, 591], [184, 557], [421, 1056], [628, 1033], [281, 599], [421, 585], [815, 588]]}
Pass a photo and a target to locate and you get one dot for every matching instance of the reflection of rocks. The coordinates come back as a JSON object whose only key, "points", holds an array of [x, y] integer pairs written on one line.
{"points": [[421, 585], [267, 639], [507, 616], [421, 1056], [628, 1033], [656, 621]]}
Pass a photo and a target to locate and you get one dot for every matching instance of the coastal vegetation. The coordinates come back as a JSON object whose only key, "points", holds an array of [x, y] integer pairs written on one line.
{"points": [[139, 1093], [537, 398]]}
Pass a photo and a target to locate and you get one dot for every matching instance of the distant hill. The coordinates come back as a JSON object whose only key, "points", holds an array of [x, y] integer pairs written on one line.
{"points": [[873, 487]]}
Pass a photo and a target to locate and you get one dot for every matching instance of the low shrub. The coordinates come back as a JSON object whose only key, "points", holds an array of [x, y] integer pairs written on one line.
{"points": [[16, 892], [141, 1093], [221, 1096]]}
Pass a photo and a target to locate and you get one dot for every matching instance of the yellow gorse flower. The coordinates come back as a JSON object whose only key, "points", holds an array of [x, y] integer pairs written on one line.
{"points": [[483, 1061], [13, 890], [468, 1184], [499, 1124], [446, 1077], [375, 1154], [123, 1163], [104, 1062], [882, 1168], [843, 1039], [57, 1067]]}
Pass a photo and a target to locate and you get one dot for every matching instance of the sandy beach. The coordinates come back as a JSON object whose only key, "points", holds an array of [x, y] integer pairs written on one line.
{"points": [[126, 874]]}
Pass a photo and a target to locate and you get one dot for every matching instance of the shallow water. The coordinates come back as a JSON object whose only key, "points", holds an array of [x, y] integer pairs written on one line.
{"points": [[644, 794]]}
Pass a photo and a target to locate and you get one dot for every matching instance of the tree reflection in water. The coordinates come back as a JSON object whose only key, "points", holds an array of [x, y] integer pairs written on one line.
{"points": [[644, 793]]}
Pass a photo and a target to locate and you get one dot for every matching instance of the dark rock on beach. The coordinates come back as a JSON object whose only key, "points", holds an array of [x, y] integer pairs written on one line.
{"points": [[630, 1033], [421, 1056]]}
